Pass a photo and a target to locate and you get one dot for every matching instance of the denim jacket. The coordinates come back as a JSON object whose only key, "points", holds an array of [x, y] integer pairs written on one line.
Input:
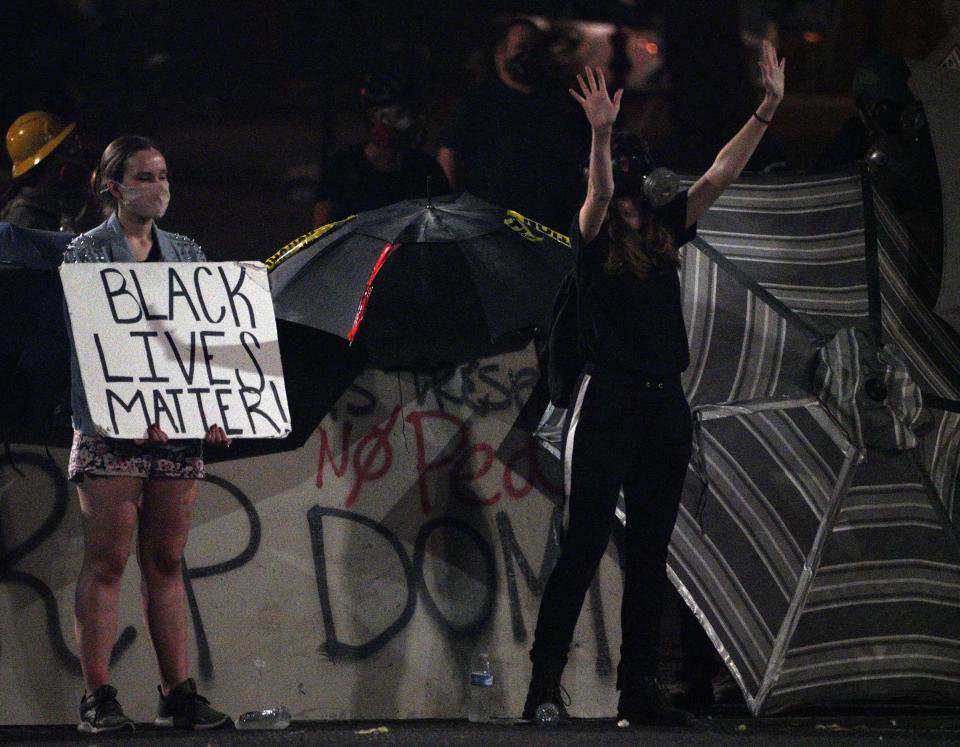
{"points": [[106, 243]]}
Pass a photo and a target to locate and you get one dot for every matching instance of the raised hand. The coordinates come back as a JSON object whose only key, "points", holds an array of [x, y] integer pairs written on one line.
{"points": [[600, 109], [771, 71]]}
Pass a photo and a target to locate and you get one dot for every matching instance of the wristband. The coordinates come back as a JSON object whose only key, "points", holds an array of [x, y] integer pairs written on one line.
{"points": [[765, 121]]}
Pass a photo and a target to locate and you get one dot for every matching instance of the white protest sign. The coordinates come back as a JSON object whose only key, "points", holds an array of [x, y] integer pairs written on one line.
{"points": [[185, 345]]}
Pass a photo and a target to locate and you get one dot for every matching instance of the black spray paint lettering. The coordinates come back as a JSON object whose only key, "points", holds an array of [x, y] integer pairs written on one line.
{"points": [[514, 558], [416, 587], [480, 387], [9, 557], [333, 647], [204, 656], [484, 614], [414, 581], [413, 571]]}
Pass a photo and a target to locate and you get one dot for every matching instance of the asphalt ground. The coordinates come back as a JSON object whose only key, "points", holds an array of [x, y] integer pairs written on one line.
{"points": [[731, 726]]}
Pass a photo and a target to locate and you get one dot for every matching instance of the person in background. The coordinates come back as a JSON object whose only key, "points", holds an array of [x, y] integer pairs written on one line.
{"points": [[890, 134], [389, 166], [629, 426], [145, 487], [49, 188], [517, 140]]}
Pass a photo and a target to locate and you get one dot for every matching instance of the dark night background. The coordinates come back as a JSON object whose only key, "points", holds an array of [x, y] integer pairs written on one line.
{"points": [[245, 97]]}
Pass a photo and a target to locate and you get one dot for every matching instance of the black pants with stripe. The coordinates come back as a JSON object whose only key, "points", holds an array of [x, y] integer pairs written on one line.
{"points": [[633, 433]]}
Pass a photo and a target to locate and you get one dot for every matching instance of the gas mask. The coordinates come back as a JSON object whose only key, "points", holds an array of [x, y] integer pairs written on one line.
{"points": [[635, 174], [396, 126], [148, 201], [657, 187], [526, 66]]}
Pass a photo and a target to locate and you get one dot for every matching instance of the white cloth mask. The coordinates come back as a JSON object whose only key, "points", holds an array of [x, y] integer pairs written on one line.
{"points": [[149, 201]]}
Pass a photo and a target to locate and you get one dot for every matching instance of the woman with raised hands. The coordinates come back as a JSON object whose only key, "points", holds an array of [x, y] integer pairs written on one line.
{"points": [[629, 425]]}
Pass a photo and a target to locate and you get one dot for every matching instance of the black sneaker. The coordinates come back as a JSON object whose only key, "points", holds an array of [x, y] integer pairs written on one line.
{"points": [[100, 711], [645, 702], [545, 688], [697, 697], [185, 708]]}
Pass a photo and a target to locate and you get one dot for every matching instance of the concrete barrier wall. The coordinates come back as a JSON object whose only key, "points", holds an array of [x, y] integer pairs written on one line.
{"points": [[361, 572]]}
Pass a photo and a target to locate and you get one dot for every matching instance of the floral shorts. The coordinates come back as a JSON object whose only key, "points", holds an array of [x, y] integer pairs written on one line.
{"points": [[98, 456]]}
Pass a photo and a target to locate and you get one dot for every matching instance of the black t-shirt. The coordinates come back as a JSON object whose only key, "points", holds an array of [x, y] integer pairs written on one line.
{"points": [[521, 152], [628, 323], [353, 184]]}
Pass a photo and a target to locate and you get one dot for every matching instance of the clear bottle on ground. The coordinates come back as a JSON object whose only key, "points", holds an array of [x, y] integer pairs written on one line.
{"points": [[548, 714], [480, 690], [274, 717], [265, 718]]}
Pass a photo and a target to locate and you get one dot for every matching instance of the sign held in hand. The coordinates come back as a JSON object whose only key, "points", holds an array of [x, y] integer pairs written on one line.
{"points": [[184, 345]]}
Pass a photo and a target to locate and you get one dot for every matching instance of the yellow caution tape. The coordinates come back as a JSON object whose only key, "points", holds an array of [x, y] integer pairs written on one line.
{"points": [[531, 230], [288, 250]]}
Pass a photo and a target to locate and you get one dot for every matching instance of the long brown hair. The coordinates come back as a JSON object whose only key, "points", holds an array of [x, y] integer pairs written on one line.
{"points": [[638, 251], [112, 163]]}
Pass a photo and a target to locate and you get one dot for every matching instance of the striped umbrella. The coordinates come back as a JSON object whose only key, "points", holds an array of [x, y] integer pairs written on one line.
{"points": [[817, 540]]}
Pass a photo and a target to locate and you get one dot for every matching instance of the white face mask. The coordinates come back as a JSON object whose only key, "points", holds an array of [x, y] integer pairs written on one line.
{"points": [[149, 201]]}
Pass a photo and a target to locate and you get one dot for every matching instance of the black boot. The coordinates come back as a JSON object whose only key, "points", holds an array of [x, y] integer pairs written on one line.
{"points": [[643, 701], [695, 696], [545, 688]]}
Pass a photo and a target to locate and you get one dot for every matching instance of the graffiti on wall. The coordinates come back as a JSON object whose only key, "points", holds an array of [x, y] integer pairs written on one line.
{"points": [[434, 445]]}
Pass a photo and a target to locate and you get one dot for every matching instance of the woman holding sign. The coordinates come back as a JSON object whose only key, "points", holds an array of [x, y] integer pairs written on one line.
{"points": [[148, 485]]}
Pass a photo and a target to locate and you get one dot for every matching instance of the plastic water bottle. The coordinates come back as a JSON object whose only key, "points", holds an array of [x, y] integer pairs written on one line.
{"points": [[480, 690], [265, 718], [277, 717]]}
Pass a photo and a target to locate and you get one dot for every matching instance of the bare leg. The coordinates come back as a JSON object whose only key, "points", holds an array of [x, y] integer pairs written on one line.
{"points": [[108, 511], [164, 524]]}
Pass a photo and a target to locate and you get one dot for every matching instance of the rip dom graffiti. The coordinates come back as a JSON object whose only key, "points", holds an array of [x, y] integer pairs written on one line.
{"points": [[429, 483]]}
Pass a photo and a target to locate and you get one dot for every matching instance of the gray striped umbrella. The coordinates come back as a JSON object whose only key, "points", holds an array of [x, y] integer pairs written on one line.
{"points": [[817, 540]]}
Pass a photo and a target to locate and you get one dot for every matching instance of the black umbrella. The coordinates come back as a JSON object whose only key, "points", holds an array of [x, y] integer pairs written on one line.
{"points": [[34, 350], [31, 249], [433, 282]]}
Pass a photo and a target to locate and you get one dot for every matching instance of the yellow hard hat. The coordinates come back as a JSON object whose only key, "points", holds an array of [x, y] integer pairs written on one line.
{"points": [[32, 137]]}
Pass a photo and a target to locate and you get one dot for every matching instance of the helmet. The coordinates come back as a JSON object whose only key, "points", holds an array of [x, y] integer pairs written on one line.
{"points": [[32, 137]]}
